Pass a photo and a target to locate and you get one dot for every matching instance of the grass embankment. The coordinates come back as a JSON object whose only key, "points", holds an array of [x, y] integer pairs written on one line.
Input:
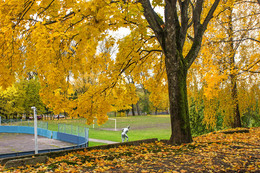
{"points": [[92, 144], [214, 152]]}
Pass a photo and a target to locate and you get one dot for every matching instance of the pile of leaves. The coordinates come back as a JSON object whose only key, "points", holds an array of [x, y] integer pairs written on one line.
{"points": [[214, 152]]}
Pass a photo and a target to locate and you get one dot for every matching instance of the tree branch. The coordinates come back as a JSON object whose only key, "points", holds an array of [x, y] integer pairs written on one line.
{"points": [[46, 8], [251, 71], [196, 16], [252, 65], [184, 20], [152, 18], [26, 9], [200, 29], [258, 41], [148, 51], [210, 14], [237, 40]]}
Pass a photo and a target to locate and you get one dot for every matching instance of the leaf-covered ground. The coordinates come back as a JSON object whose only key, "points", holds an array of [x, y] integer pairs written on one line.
{"points": [[214, 152]]}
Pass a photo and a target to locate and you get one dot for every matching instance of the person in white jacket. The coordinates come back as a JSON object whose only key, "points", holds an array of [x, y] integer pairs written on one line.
{"points": [[124, 133]]}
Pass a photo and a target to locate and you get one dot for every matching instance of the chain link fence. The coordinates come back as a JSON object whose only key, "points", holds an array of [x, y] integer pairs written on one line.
{"points": [[73, 130], [20, 122], [63, 128]]}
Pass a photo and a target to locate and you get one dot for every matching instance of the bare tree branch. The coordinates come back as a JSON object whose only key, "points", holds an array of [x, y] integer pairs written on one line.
{"points": [[184, 20], [153, 50], [196, 16], [24, 12], [258, 41], [236, 40], [46, 8], [200, 29], [151, 16], [210, 14]]}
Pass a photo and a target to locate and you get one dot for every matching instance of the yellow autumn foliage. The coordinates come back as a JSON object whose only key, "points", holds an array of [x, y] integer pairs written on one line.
{"points": [[233, 39], [60, 41]]}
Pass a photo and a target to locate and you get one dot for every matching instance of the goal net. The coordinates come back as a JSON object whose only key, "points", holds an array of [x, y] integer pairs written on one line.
{"points": [[111, 124]]}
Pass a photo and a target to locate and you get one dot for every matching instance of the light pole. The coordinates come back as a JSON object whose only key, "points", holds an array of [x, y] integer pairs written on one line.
{"points": [[35, 130]]}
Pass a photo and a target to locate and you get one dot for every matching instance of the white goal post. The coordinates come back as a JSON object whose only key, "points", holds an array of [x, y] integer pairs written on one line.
{"points": [[112, 119]]}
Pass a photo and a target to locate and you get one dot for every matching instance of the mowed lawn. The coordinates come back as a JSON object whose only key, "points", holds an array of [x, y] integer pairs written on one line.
{"points": [[141, 127]]}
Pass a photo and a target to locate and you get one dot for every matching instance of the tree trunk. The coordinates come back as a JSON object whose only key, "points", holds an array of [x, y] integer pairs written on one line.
{"points": [[233, 76], [138, 109], [236, 112], [133, 110], [179, 111]]}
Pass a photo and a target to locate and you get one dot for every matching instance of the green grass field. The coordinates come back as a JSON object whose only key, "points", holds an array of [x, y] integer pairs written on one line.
{"points": [[91, 144], [141, 127]]}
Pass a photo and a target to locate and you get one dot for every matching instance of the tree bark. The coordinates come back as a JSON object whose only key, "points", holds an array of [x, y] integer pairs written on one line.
{"points": [[133, 110], [138, 109], [180, 124], [237, 120]]}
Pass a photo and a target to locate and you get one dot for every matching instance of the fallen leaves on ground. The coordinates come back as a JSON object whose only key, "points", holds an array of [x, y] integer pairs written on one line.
{"points": [[214, 152]]}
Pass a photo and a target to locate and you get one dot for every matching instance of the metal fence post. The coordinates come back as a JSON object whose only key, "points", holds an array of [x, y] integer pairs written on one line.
{"points": [[86, 139], [78, 130], [35, 130], [115, 124]]}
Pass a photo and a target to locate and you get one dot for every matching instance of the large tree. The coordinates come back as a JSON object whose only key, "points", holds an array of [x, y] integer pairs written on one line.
{"points": [[230, 63], [172, 35], [58, 39]]}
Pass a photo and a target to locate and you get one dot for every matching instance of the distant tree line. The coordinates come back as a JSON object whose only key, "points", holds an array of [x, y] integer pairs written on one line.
{"points": [[16, 101]]}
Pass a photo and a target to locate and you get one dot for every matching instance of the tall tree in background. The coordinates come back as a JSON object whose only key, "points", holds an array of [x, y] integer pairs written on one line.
{"points": [[18, 99], [233, 76], [230, 63], [30, 90], [11, 102]]}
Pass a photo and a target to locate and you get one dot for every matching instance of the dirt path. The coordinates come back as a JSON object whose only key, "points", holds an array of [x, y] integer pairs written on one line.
{"points": [[17, 142]]}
